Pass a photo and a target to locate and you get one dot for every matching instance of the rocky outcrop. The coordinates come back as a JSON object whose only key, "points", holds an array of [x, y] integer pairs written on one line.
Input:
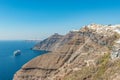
{"points": [[49, 43], [85, 51]]}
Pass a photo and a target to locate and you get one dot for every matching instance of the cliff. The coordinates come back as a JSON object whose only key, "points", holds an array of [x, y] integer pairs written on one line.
{"points": [[48, 44], [91, 53]]}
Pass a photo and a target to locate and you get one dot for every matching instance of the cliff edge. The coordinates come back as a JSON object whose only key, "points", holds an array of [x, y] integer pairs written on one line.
{"points": [[91, 53]]}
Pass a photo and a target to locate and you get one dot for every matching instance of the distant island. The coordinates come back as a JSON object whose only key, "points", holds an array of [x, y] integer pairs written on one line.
{"points": [[32, 40], [91, 53]]}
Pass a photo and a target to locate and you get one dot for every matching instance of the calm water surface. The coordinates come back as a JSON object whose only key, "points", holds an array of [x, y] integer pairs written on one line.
{"points": [[9, 64]]}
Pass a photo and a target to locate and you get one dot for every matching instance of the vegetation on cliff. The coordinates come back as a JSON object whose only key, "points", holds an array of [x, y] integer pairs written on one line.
{"points": [[91, 53]]}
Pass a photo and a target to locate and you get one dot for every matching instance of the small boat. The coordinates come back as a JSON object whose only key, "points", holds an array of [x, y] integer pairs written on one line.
{"points": [[17, 52]]}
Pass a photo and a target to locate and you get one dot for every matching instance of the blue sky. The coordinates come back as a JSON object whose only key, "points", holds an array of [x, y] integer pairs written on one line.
{"points": [[38, 19]]}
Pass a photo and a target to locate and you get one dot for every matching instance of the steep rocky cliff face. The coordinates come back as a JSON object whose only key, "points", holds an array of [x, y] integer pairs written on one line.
{"points": [[91, 53], [48, 44]]}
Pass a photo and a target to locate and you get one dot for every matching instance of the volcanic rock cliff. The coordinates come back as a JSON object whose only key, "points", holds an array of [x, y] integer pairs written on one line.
{"points": [[91, 53]]}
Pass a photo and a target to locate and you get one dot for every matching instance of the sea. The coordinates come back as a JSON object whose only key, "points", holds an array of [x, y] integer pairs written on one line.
{"points": [[9, 63]]}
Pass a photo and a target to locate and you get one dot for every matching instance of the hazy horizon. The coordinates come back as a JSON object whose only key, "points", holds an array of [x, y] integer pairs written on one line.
{"points": [[38, 19]]}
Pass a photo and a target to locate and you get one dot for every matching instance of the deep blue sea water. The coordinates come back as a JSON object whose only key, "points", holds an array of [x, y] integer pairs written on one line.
{"points": [[9, 63]]}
